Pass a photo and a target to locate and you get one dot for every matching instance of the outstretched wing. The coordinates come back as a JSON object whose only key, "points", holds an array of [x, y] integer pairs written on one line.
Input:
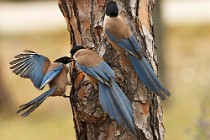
{"points": [[101, 72], [30, 65]]}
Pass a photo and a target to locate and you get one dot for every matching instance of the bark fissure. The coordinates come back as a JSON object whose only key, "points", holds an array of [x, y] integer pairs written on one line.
{"points": [[153, 119], [127, 8], [138, 24], [72, 37], [92, 17], [76, 13]]}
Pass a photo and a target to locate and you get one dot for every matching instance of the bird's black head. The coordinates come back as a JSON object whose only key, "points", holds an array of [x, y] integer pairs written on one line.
{"points": [[112, 9], [65, 60], [75, 49]]}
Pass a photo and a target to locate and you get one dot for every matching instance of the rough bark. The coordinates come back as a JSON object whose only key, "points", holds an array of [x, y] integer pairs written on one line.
{"points": [[84, 22]]}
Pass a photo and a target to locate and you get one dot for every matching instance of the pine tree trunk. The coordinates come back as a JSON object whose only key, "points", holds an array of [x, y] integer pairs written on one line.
{"points": [[84, 22]]}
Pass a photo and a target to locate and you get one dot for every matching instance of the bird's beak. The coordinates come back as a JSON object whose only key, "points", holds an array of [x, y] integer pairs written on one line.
{"points": [[70, 63], [71, 59]]}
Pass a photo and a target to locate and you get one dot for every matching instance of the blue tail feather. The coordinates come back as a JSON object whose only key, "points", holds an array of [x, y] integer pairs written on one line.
{"points": [[123, 105], [147, 76], [154, 77], [32, 105], [107, 102], [116, 104]]}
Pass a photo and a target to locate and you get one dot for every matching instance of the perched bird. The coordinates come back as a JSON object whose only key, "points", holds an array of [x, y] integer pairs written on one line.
{"points": [[111, 97], [41, 71], [123, 40]]}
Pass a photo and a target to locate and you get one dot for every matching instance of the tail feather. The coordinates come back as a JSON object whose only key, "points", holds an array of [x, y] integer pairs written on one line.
{"points": [[154, 77], [116, 104], [147, 76], [107, 102], [32, 105], [123, 105]]}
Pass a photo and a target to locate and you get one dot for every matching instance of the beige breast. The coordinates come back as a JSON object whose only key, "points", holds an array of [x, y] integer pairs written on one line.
{"points": [[60, 80], [117, 26]]}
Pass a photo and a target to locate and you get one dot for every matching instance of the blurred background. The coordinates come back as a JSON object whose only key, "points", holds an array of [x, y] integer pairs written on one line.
{"points": [[182, 35]]}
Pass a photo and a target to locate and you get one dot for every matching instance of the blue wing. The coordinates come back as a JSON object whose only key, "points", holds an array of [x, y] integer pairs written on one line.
{"points": [[50, 75], [30, 65], [33, 104], [140, 64], [111, 97], [130, 44], [101, 72]]}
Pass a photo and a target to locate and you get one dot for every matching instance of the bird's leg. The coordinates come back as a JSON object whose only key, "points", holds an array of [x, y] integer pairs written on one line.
{"points": [[65, 96]]}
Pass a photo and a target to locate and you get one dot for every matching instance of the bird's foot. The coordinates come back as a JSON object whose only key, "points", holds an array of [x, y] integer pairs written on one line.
{"points": [[66, 96]]}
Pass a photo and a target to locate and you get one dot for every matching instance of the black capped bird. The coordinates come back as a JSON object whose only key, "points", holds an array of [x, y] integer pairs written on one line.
{"points": [[123, 41], [41, 71], [111, 97]]}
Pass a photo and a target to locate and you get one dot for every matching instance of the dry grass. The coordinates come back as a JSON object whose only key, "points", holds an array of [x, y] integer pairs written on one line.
{"points": [[187, 59]]}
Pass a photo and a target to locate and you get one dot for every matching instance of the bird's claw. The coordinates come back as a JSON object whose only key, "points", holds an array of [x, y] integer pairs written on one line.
{"points": [[65, 96]]}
